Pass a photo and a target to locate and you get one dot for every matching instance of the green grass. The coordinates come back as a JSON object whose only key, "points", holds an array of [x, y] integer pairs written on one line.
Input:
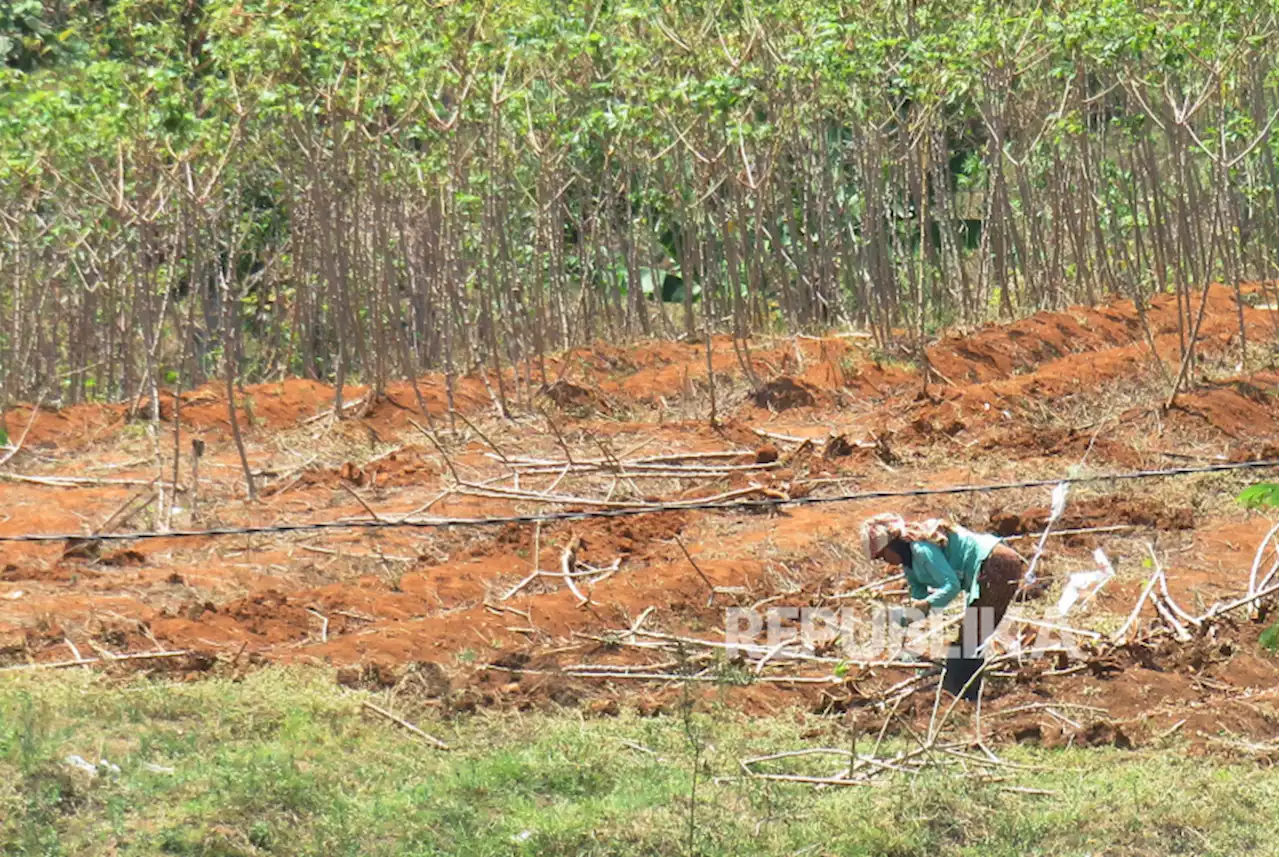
{"points": [[285, 762]]}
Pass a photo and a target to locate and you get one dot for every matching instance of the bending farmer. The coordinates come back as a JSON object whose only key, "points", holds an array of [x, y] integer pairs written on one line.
{"points": [[942, 560]]}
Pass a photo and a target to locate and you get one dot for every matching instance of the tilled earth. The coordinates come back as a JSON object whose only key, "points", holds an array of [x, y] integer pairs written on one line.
{"points": [[440, 613]]}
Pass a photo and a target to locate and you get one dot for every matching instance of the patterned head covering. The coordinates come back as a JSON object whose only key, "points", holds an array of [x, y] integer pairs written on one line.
{"points": [[879, 530]]}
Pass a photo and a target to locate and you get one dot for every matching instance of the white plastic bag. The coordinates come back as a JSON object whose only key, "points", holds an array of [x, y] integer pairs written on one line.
{"points": [[1083, 586]]}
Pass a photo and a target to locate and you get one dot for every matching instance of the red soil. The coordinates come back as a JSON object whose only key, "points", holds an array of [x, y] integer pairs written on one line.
{"points": [[1021, 400]]}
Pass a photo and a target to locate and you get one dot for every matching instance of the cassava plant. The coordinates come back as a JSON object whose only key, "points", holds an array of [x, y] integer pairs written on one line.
{"points": [[367, 189]]}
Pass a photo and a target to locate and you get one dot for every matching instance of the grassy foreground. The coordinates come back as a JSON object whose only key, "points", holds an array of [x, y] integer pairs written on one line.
{"points": [[286, 762]]}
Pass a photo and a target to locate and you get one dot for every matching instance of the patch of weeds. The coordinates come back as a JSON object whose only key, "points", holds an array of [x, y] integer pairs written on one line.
{"points": [[892, 359], [734, 673], [251, 416]]}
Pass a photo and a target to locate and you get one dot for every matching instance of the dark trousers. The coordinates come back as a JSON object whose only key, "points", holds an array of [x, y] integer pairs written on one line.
{"points": [[998, 582]]}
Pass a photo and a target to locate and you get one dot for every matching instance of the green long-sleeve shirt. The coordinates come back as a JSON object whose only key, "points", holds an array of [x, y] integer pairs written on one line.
{"points": [[949, 572]]}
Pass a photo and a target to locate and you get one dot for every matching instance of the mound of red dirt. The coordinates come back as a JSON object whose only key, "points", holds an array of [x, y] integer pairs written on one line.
{"points": [[1243, 409], [407, 466], [1097, 512], [1002, 351], [569, 396], [783, 394]]}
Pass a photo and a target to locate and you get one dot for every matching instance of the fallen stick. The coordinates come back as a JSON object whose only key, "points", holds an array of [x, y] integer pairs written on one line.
{"points": [[1056, 715], [1185, 457], [1023, 620], [614, 641], [648, 472], [664, 665], [1179, 630], [119, 516], [501, 455], [884, 727], [102, 653], [568, 563], [843, 777], [555, 483], [511, 593], [679, 541], [357, 616], [1247, 746], [400, 721], [609, 466], [1019, 655], [324, 628], [772, 679], [537, 547], [360, 500], [793, 754], [1037, 706], [559, 437], [767, 656], [438, 497], [328, 412], [1275, 567], [386, 557], [1239, 602], [79, 662], [905, 688], [1173, 605], [604, 573], [866, 586], [1257, 557], [693, 456], [639, 748], [434, 442], [35, 412], [379, 457], [1119, 636], [73, 481], [656, 461], [123, 465], [475, 490], [785, 438], [952, 750], [1161, 594], [759, 649], [817, 781], [635, 626], [1081, 531]]}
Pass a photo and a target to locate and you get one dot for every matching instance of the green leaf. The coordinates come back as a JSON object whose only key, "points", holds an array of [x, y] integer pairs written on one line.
{"points": [[1262, 495], [1270, 639]]}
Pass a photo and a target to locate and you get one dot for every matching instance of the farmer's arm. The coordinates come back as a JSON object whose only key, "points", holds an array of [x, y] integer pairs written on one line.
{"points": [[919, 589], [946, 581]]}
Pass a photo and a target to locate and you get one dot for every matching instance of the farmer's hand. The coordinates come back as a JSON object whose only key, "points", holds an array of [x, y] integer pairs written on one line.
{"points": [[921, 604]]}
